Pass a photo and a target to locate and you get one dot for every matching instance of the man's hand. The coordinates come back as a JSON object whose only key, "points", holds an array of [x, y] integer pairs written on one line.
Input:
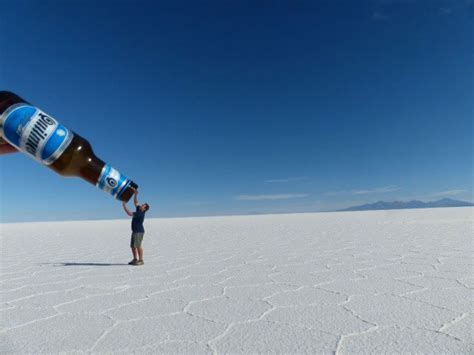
{"points": [[6, 148]]}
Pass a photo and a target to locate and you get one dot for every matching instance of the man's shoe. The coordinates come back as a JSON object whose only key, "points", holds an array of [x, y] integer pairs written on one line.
{"points": [[132, 262], [139, 262]]}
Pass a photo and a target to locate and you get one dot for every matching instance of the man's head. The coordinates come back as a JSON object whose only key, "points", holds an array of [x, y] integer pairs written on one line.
{"points": [[145, 207]]}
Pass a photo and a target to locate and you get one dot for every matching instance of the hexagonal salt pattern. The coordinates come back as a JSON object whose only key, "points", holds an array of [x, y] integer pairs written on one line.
{"points": [[329, 283]]}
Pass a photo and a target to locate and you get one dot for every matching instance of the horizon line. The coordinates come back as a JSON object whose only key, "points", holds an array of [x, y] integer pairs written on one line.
{"points": [[249, 214]]}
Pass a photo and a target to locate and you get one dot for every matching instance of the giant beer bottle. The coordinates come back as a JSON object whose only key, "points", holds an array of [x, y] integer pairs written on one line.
{"points": [[41, 137]]}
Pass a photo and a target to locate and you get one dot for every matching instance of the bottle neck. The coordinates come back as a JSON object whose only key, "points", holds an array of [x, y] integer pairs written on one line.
{"points": [[106, 178], [113, 182], [80, 160]]}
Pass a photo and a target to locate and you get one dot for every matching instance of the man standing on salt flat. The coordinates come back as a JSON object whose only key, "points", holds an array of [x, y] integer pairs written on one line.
{"points": [[137, 229]]}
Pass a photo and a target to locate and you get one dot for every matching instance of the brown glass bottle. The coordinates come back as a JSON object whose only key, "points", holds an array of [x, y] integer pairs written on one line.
{"points": [[41, 137]]}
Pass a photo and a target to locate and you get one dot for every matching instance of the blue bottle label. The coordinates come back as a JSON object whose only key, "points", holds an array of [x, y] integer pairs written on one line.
{"points": [[112, 182], [35, 133]]}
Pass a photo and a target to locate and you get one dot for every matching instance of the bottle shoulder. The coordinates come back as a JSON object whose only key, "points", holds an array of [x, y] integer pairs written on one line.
{"points": [[5, 93], [7, 99], [77, 158]]}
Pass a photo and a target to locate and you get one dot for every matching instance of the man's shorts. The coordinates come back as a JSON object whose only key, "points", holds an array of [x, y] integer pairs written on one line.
{"points": [[136, 241]]}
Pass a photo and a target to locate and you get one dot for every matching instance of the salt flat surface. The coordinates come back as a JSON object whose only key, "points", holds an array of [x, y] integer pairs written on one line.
{"points": [[345, 283]]}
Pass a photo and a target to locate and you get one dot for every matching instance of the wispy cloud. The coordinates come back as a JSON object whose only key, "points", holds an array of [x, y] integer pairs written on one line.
{"points": [[196, 203], [290, 179], [376, 190], [450, 192], [268, 197]]}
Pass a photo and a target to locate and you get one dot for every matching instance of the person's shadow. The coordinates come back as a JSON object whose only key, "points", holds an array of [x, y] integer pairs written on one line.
{"points": [[84, 264]]}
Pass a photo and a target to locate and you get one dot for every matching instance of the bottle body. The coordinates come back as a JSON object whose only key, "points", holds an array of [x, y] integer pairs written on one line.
{"points": [[44, 139]]}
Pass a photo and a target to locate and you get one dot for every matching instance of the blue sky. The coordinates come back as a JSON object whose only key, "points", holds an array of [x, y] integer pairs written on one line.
{"points": [[235, 107]]}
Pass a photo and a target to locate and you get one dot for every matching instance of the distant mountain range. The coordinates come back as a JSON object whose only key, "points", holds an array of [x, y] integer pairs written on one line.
{"points": [[382, 205]]}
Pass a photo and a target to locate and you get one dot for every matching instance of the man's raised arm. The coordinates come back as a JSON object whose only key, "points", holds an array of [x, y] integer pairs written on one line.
{"points": [[135, 199], [126, 209]]}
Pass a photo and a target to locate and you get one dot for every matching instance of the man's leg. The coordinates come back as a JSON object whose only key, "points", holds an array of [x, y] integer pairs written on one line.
{"points": [[135, 253], [132, 246], [140, 253]]}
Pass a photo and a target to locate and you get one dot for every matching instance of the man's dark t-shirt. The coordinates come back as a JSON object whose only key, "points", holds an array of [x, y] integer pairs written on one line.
{"points": [[137, 221]]}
